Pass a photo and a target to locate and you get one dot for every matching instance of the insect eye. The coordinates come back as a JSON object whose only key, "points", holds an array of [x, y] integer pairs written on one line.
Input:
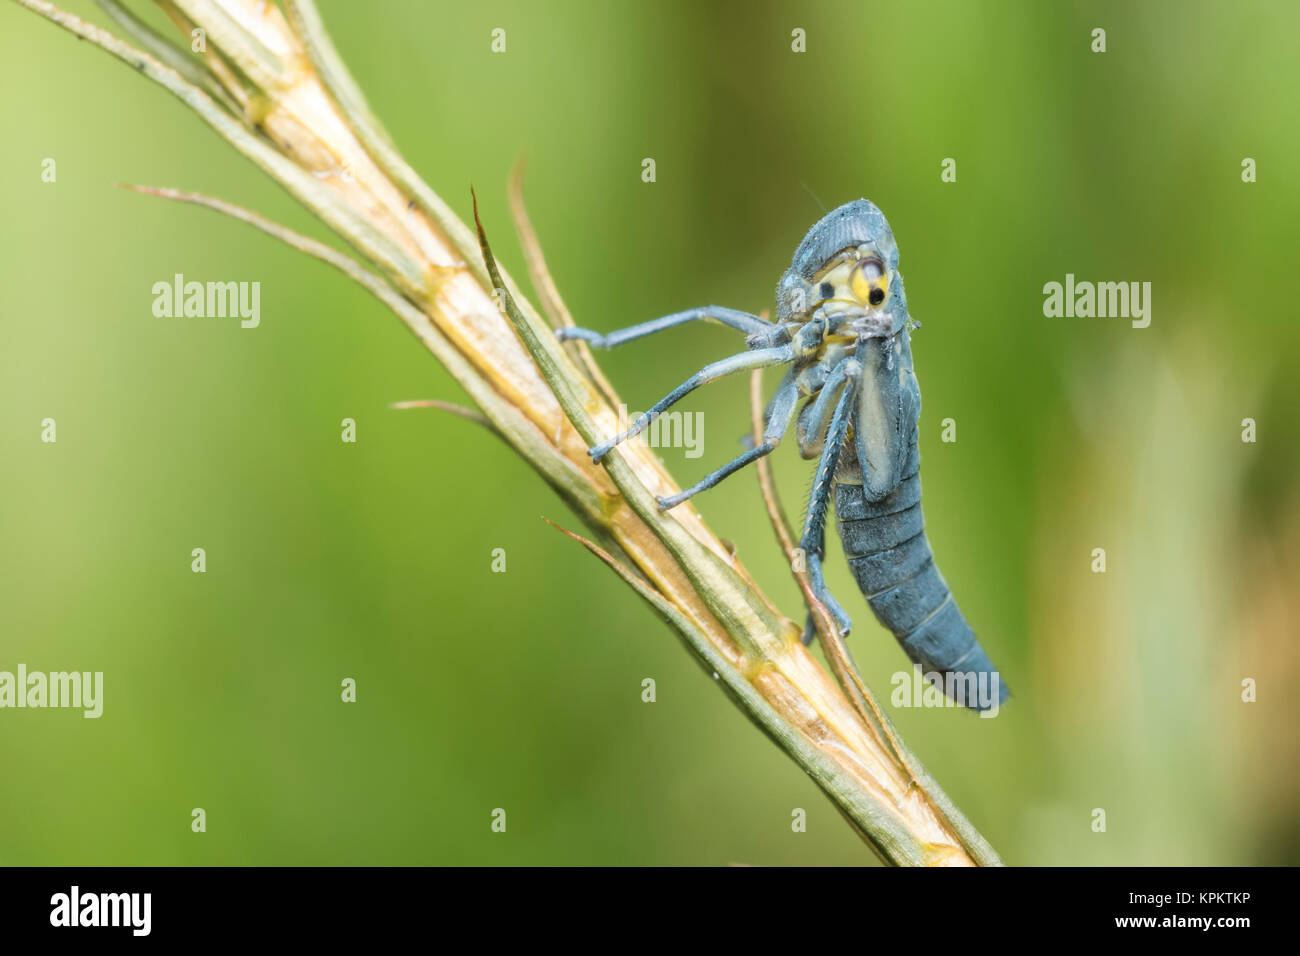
{"points": [[869, 281]]}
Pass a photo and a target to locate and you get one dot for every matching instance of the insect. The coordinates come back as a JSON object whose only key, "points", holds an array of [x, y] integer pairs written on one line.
{"points": [[843, 328]]}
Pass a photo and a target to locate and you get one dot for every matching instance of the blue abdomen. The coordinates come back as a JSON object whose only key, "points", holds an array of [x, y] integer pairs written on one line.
{"points": [[891, 560]]}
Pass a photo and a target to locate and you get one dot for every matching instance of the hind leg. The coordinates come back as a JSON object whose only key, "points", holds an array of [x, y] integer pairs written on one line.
{"points": [[813, 539]]}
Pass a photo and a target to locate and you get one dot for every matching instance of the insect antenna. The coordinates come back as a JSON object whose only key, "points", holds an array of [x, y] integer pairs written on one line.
{"points": [[808, 190]]}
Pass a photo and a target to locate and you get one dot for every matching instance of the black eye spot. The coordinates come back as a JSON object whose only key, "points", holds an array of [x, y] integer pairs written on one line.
{"points": [[828, 290], [877, 296]]}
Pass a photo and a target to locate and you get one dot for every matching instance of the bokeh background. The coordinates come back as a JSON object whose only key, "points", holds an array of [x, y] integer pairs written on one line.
{"points": [[522, 690]]}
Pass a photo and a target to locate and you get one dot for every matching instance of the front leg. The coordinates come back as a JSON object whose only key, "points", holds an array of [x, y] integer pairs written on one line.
{"points": [[751, 325]]}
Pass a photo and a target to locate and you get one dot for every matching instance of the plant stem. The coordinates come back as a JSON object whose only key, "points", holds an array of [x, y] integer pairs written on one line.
{"points": [[305, 123]]}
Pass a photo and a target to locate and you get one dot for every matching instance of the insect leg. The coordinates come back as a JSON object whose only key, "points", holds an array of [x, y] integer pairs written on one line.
{"points": [[743, 321], [762, 358], [747, 441], [813, 539], [818, 583], [815, 419], [779, 413]]}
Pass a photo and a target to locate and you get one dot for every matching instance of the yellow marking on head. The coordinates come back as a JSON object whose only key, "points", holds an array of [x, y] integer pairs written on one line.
{"points": [[869, 282], [857, 278]]}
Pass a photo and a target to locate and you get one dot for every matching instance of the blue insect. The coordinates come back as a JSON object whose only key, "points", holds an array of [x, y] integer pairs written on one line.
{"points": [[843, 328]]}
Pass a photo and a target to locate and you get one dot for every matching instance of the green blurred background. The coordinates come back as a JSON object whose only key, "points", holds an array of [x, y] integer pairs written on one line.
{"points": [[522, 690]]}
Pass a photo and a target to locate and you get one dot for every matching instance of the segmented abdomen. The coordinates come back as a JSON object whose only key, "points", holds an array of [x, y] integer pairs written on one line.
{"points": [[891, 560]]}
